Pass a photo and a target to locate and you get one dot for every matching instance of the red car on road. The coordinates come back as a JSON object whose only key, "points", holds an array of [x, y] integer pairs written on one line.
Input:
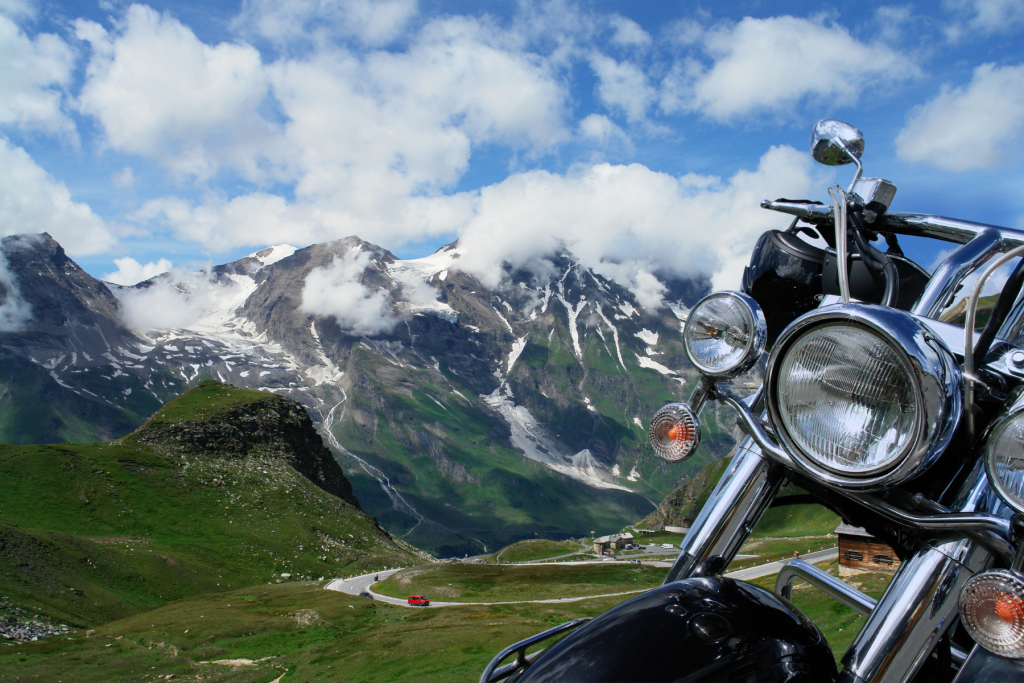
{"points": [[418, 600]]}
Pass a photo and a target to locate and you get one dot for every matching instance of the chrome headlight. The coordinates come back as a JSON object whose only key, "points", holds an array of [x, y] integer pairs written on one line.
{"points": [[863, 396], [725, 334], [1004, 459]]}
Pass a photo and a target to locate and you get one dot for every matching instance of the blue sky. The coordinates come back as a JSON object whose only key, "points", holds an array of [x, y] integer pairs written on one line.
{"points": [[641, 134]]}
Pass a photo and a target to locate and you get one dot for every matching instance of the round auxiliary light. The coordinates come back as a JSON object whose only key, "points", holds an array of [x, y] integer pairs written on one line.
{"points": [[725, 334], [674, 432], [863, 396], [992, 611], [1004, 459]]}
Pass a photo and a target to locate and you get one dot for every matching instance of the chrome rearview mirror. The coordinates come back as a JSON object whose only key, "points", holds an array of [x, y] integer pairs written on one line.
{"points": [[836, 143]]}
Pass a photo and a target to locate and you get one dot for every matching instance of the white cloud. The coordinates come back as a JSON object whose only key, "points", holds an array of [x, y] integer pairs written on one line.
{"points": [[15, 312], [372, 141], [972, 127], [652, 222], [371, 22], [124, 178], [158, 91], [627, 32], [35, 73], [31, 201], [770, 65], [177, 301], [623, 86], [129, 271], [599, 129], [983, 17], [337, 291], [19, 9]]}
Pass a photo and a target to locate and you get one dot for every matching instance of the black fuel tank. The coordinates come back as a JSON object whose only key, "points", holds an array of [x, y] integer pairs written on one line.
{"points": [[703, 629]]}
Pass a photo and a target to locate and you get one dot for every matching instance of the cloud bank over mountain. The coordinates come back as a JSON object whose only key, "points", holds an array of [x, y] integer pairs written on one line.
{"points": [[519, 128]]}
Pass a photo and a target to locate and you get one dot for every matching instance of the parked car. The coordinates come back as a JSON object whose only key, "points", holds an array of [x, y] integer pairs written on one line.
{"points": [[629, 546], [418, 600], [667, 545], [365, 594]]}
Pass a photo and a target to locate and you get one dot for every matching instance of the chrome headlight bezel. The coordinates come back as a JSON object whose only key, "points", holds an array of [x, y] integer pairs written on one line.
{"points": [[1014, 416], [756, 338], [934, 373]]}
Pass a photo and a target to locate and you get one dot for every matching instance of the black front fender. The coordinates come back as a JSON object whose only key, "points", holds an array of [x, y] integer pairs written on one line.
{"points": [[700, 629]]}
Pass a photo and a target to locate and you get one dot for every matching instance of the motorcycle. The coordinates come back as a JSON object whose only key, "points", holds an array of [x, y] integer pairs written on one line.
{"points": [[906, 425]]}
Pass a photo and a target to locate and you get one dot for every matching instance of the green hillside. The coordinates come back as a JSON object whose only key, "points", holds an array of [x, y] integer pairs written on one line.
{"points": [[99, 531]]}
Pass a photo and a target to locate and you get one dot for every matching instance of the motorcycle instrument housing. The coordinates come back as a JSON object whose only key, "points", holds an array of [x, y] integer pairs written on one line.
{"points": [[725, 334], [863, 396]]}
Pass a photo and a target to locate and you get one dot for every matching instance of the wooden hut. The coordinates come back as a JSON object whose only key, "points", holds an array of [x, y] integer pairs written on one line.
{"points": [[859, 551]]}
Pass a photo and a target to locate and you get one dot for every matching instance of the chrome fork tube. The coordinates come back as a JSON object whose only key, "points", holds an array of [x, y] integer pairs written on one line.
{"points": [[913, 614], [742, 495], [922, 601]]}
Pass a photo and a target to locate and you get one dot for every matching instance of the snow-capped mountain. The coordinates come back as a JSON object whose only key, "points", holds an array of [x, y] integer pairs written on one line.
{"points": [[465, 416]]}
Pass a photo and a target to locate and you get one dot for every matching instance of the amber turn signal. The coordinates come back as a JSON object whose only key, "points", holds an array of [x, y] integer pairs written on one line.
{"points": [[992, 610], [674, 432]]}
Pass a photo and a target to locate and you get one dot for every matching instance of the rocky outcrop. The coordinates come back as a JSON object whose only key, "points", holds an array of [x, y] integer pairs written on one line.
{"points": [[681, 507], [274, 426]]}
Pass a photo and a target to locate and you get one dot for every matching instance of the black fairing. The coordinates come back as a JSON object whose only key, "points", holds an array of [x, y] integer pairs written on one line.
{"points": [[784, 278], [704, 629]]}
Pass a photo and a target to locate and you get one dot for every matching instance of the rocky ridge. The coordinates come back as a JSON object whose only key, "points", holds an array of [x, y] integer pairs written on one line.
{"points": [[478, 417]]}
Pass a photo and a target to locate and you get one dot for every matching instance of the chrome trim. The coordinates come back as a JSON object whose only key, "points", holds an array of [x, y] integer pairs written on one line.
{"points": [[755, 345], [947, 276], [836, 143], [946, 229], [913, 614], [937, 384], [819, 578], [1013, 411], [493, 673], [817, 214], [989, 530], [842, 257], [755, 430], [969, 318], [923, 597], [741, 496], [990, 527], [875, 191]]}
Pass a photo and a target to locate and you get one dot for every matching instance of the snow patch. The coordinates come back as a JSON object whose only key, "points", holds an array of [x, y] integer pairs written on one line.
{"points": [[648, 337], [627, 308], [517, 348], [646, 362], [679, 310], [272, 255], [528, 436]]}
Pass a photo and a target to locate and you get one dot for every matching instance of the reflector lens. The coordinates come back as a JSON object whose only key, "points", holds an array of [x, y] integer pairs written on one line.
{"points": [[1005, 461], [674, 432], [847, 399], [992, 610]]}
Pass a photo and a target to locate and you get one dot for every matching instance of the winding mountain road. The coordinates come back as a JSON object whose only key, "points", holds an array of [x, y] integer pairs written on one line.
{"points": [[359, 584]]}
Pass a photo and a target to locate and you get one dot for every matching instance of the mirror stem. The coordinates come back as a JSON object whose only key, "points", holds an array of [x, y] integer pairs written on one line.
{"points": [[839, 218], [838, 142]]}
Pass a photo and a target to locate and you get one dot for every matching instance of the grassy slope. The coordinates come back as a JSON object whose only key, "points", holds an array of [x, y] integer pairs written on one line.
{"points": [[93, 532], [487, 583], [350, 639], [538, 549]]}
